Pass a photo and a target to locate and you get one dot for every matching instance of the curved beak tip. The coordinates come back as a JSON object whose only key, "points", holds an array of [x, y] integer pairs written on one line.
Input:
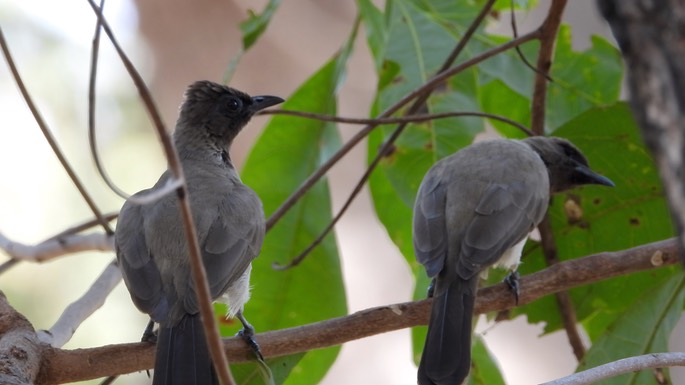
{"points": [[264, 101]]}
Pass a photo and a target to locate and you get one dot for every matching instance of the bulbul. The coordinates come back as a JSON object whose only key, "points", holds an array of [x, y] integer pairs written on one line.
{"points": [[150, 243], [475, 209]]}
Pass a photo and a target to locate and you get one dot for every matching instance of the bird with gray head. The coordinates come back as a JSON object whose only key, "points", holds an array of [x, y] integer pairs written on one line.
{"points": [[229, 220], [475, 209]]}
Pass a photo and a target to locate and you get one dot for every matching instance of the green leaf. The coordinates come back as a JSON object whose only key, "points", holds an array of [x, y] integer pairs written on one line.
{"points": [[643, 328], [287, 152], [256, 24], [499, 99], [252, 29], [582, 80], [631, 214], [484, 368], [376, 33], [281, 367]]}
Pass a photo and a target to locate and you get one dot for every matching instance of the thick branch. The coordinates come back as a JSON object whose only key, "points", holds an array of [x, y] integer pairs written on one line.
{"points": [[59, 365], [626, 365], [651, 36], [20, 350]]}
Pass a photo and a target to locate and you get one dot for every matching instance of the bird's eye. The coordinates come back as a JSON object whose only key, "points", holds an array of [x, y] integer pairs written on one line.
{"points": [[233, 104]]}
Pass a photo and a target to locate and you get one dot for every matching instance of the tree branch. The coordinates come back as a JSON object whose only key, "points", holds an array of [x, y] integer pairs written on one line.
{"points": [[548, 34], [623, 366], [59, 365], [55, 247], [20, 350], [418, 118], [6, 244], [77, 312], [651, 36]]}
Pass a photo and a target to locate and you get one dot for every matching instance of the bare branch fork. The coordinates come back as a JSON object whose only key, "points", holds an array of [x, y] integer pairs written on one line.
{"points": [[65, 365]]}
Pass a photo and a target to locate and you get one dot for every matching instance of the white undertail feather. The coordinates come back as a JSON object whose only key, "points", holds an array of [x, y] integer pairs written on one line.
{"points": [[510, 259], [237, 295]]}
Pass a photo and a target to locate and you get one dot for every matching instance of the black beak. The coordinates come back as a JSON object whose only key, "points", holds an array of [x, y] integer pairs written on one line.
{"points": [[587, 176], [263, 101]]}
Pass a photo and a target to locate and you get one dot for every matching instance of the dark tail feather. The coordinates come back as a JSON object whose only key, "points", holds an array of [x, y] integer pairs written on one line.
{"points": [[446, 358], [182, 355]]}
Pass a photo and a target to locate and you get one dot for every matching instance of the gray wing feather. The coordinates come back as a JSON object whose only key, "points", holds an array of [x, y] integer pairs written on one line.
{"points": [[232, 241], [430, 235], [505, 215], [137, 265]]}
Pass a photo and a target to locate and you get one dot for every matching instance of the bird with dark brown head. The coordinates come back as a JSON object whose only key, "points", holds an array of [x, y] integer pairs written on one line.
{"points": [[475, 209], [212, 115], [229, 221]]}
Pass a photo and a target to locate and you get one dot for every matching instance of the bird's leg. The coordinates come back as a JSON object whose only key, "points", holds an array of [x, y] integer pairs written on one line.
{"points": [[431, 288], [247, 332], [149, 335], [512, 280]]}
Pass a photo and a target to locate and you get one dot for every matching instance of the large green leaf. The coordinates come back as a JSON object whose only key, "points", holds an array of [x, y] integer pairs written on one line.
{"points": [[643, 328], [631, 214], [582, 80], [287, 152]]}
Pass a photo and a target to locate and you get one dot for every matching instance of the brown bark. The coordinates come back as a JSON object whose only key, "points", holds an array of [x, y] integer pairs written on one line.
{"points": [[651, 35], [20, 350], [61, 366]]}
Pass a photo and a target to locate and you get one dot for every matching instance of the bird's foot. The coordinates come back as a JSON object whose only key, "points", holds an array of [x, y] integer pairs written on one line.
{"points": [[431, 288], [149, 335], [247, 334], [512, 280]]}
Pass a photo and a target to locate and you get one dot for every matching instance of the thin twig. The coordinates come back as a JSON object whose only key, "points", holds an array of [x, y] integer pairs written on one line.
{"points": [[524, 59], [91, 111], [419, 118], [196, 266], [426, 87], [58, 239], [64, 365], [56, 247], [622, 366], [549, 30], [50, 139], [564, 302]]}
